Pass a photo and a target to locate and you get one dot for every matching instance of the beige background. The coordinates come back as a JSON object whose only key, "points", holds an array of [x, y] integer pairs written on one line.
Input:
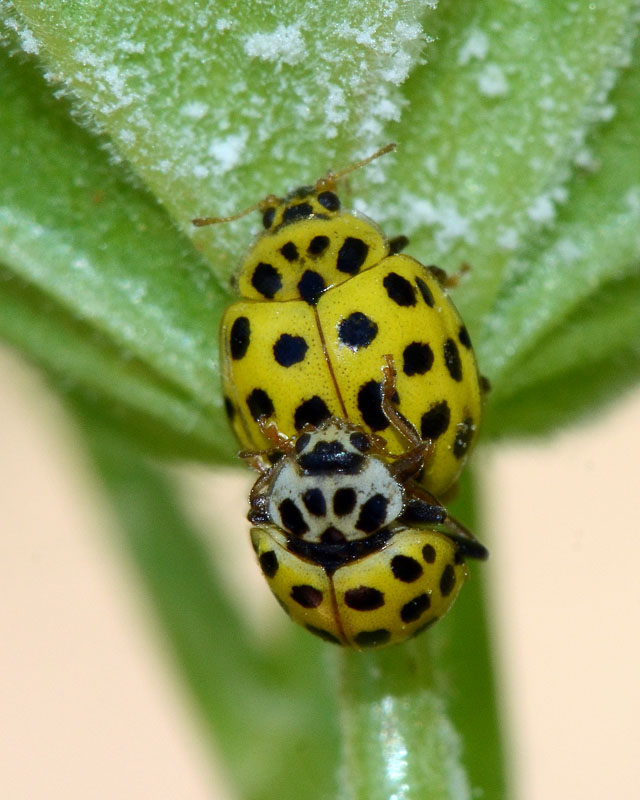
{"points": [[89, 707]]}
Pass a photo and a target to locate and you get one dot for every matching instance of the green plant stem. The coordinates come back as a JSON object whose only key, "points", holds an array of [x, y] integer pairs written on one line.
{"points": [[420, 720]]}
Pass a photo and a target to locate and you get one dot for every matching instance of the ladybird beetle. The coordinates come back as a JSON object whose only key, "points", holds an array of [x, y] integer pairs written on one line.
{"points": [[353, 548], [325, 296]]}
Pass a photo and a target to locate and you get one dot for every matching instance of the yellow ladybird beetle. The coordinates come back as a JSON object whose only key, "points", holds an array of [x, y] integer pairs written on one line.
{"points": [[325, 296], [353, 548]]}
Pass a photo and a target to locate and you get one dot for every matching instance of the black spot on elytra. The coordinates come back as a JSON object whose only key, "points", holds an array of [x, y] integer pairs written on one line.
{"points": [[373, 514], [314, 502], [229, 408], [406, 569], [464, 338], [269, 563], [290, 350], [318, 245], [370, 406], [435, 421], [417, 358], [452, 360], [260, 404], [328, 637], [289, 251], [372, 638], [399, 289], [357, 330], [310, 286], [292, 518], [239, 338], [344, 501], [429, 553], [329, 200], [364, 598], [306, 596], [426, 293], [464, 436], [266, 280], [298, 211], [311, 412], [352, 255], [415, 608], [447, 580]]}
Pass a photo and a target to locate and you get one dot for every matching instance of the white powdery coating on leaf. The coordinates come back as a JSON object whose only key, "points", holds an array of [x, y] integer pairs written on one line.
{"points": [[194, 110], [476, 46], [285, 45], [542, 209], [228, 152], [492, 81]]}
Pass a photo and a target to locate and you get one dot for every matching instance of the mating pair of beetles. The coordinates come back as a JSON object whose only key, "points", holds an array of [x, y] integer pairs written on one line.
{"points": [[350, 379]]}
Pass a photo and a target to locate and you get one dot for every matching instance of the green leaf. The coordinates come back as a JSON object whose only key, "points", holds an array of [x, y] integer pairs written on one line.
{"points": [[100, 288]]}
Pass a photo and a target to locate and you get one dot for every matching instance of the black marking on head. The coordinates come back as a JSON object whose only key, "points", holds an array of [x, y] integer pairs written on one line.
{"points": [[464, 436], [298, 211], [267, 217], [229, 408], [289, 251], [435, 421], [327, 457], [447, 580], [310, 286], [311, 412], [239, 338], [329, 200], [269, 563], [260, 404], [426, 293], [399, 289], [306, 596], [344, 501], [266, 280], [314, 502], [318, 245], [364, 598], [415, 608], [328, 637], [417, 358], [452, 359], [357, 330], [406, 569], [292, 518], [370, 406], [274, 456], [373, 514], [464, 338], [352, 255], [332, 535], [372, 638], [429, 553], [360, 441], [302, 441], [290, 350]]}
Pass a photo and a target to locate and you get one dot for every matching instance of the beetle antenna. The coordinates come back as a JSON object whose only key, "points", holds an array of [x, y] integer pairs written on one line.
{"points": [[267, 201]]}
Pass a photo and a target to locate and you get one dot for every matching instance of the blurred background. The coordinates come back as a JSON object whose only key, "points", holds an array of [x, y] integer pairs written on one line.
{"points": [[89, 702]]}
